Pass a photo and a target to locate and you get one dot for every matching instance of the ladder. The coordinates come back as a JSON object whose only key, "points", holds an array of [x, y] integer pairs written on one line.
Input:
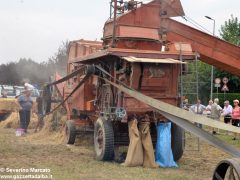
{"points": [[189, 87]]}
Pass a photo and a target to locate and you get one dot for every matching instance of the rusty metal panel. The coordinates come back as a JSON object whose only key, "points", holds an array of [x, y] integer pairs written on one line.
{"points": [[156, 78], [136, 106], [108, 29], [138, 32], [179, 47], [171, 8], [149, 60], [60, 86], [80, 48], [104, 54], [212, 50], [157, 81], [71, 51]]}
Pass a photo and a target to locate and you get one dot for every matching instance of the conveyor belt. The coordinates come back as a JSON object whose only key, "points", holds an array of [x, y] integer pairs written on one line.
{"points": [[181, 117], [85, 71], [184, 118]]}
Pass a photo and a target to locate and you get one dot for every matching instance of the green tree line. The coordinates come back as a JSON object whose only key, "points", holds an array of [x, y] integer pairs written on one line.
{"points": [[229, 31]]}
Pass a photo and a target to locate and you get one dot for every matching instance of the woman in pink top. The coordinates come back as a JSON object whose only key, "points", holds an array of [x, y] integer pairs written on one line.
{"points": [[236, 116]]}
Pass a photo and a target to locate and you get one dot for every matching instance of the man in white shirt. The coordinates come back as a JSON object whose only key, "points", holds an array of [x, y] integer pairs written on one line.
{"points": [[227, 111], [198, 108]]}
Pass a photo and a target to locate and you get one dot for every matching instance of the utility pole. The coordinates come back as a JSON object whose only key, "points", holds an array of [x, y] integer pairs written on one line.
{"points": [[212, 68]]}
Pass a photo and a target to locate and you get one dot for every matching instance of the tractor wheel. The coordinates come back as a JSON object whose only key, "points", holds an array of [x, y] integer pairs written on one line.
{"points": [[227, 169], [70, 132], [178, 143], [104, 140]]}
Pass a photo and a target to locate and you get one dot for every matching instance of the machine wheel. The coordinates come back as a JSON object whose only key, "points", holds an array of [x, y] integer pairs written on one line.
{"points": [[106, 99], [70, 132], [104, 140], [178, 143], [227, 169]]}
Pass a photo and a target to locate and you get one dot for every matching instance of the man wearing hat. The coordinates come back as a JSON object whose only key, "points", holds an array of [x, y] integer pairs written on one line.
{"points": [[25, 101]]}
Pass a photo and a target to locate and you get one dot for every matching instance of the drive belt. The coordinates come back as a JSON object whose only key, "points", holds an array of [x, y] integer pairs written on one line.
{"points": [[181, 117], [184, 118], [86, 70], [79, 72], [73, 91]]}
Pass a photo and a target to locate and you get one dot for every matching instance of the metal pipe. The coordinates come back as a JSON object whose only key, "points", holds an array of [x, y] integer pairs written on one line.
{"points": [[211, 91], [114, 24], [181, 76], [196, 66]]}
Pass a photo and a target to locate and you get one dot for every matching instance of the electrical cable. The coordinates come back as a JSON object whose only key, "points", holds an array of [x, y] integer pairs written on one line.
{"points": [[188, 19]]}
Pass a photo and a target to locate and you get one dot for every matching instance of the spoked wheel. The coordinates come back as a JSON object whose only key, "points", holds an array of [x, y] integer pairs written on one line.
{"points": [[227, 169], [70, 132], [106, 100], [103, 140]]}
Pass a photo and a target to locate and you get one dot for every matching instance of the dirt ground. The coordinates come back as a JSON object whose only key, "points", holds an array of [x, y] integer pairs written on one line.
{"points": [[70, 162]]}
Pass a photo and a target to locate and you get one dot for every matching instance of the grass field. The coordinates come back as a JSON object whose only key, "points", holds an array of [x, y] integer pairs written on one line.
{"points": [[77, 161]]}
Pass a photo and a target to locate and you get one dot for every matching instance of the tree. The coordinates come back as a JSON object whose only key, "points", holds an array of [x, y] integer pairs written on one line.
{"points": [[58, 62], [190, 79], [230, 31], [14, 73]]}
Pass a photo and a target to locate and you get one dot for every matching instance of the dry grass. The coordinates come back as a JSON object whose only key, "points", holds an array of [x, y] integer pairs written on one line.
{"points": [[46, 149], [13, 121]]}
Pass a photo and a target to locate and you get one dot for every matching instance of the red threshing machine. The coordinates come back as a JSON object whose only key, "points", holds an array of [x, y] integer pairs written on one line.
{"points": [[142, 50]]}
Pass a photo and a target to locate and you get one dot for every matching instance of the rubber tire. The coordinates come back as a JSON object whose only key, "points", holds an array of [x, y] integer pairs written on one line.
{"points": [[70, 132], [178, 141], [107, 152]]}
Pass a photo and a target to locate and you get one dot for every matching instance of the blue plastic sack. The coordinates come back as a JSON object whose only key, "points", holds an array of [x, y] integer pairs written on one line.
{"points": [[164, 156]]}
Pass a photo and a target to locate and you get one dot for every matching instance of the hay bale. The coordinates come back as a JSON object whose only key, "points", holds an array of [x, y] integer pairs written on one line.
{"points": [[8, 104], [13, 121]]}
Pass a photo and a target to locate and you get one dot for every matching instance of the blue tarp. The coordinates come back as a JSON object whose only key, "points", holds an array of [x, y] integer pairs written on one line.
{"points": [[164, 156]]}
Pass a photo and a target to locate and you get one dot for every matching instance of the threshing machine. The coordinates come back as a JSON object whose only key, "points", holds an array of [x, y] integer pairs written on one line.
{"points": [[134, 72]]}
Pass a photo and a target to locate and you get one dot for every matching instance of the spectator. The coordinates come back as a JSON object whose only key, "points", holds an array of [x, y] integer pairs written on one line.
{"points": [[236, 116], [227, 112], [185, 104], [39, 113], [4, 93], [198, 108], [209, 107], [26, 103], [28, 86], [215, 112]]}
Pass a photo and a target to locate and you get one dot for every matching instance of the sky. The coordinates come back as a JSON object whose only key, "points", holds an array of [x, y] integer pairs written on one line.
{"points": [[36, 28]]}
